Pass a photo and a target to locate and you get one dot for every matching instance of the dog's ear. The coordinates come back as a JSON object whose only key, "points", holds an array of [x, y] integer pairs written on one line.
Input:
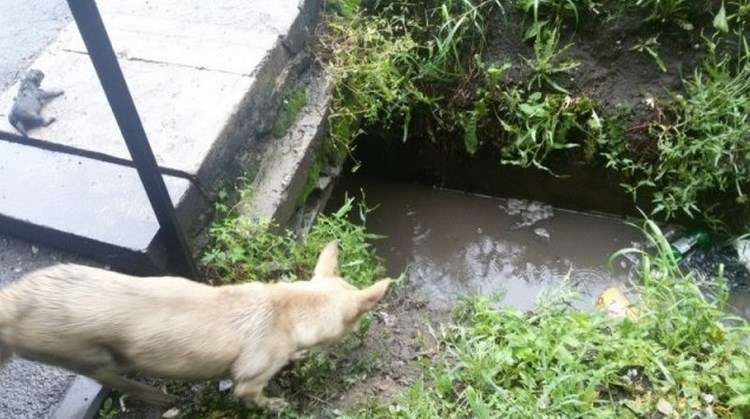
{"points": [[328, 261], [370, 296]]}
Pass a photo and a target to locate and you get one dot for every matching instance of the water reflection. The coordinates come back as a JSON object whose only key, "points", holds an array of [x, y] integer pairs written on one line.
{"points": [[457, 244]]}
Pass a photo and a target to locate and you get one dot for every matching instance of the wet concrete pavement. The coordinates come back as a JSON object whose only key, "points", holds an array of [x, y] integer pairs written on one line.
{"points": [[27, 389]]}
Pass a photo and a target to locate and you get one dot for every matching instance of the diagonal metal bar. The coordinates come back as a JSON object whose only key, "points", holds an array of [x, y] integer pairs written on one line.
{"points": [[94, 34]]}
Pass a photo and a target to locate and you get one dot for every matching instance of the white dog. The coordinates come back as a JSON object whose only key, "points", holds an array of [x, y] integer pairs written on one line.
{"points": [[104, 324]]}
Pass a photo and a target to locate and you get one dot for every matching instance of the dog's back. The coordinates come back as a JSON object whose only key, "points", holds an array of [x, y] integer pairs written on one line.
{"points": [[84, 318], [104, 324]]}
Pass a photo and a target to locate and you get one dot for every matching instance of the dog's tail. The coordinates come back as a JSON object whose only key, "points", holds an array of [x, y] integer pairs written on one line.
{"points": [[6, 316], [5, 354]]}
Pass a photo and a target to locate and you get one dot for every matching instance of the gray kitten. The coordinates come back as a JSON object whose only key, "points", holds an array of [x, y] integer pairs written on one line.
{"points": [[28, 104]]}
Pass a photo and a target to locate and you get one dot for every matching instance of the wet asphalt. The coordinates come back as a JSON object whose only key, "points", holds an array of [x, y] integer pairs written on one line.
{"points": [[26, 27], [27, 389]]}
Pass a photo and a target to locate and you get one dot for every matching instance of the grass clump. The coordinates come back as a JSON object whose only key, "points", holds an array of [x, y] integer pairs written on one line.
{"points": [[399, 60], [547, 62], [243, 250], [372, 72], [701, 145], [291, 106], [680, 356], [668, 10], [555, 10], [540, 125]]}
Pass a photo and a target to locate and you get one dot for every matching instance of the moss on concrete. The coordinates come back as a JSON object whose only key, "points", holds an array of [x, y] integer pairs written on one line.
{"points": [[291, 106]]}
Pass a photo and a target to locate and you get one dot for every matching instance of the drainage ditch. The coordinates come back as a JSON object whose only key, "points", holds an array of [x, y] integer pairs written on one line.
{"points": [[464, 227]]}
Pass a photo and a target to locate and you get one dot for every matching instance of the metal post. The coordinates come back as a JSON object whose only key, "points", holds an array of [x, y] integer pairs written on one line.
{"points": [[91, 27]]}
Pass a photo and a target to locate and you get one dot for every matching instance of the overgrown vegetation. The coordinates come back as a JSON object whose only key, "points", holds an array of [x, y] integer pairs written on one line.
{"points": [[681, 355], [701, 142], [417, 69], [243, 249]]}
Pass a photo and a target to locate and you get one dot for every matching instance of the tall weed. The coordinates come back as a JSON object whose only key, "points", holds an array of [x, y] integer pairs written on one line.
{"points": [[243, 250], [703, 146]]}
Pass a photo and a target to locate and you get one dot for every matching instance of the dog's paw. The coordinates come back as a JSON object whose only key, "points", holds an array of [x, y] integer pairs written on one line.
{"points": [[299, 355]]}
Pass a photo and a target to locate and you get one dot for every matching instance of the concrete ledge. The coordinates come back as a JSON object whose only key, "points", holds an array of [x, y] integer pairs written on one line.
{"points": [[286, 166], [83, 205], [82, 400]]}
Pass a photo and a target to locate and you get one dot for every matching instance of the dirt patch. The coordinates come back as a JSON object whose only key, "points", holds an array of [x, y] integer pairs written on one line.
{"points": [[402, 335], [611, 69]]}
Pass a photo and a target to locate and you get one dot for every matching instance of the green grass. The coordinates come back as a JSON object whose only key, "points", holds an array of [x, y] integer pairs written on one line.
{"points": [[244, 250], [668, 10], [701, 145], [313, 176], [372, 71], [547, 63], [555, 10], [681, 353], [291, 106], [411, 68], [388, 66], [540, 125]]}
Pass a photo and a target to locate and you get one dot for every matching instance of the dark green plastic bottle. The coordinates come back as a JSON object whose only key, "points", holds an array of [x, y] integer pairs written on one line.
{"points": [[682, 246]]}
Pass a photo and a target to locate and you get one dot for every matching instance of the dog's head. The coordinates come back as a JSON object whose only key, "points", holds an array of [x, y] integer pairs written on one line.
{"points": [[334, 305], [35, 77]]}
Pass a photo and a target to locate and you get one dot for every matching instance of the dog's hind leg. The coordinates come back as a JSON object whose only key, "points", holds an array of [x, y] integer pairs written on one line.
{"points": [[104, 365], [133, 388], [5, 354], [18, 125]]}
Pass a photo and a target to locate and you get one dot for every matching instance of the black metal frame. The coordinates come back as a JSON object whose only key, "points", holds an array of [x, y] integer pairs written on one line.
{"points": [[94, 34]]}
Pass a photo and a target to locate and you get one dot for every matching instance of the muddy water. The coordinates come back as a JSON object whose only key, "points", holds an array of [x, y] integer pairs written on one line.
{"points": [[454, 244]]}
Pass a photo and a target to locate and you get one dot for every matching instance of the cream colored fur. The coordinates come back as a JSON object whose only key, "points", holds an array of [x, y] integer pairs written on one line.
{"points": [[105, 324]]}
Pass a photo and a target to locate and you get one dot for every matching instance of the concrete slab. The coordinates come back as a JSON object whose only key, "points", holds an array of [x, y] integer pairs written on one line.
{"points": [[79, 203], [189, 66], [206, 78], [82, 400], [183, 110]]}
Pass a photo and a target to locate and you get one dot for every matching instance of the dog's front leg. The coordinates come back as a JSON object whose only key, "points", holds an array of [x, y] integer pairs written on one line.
{"points": [[252, 371], [48, 95], [251, 394]]}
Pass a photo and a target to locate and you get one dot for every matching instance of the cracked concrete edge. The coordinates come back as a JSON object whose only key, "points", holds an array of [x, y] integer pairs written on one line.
{"points": [[82, 399], [243, 135], [253, 117], [286, 165]]}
